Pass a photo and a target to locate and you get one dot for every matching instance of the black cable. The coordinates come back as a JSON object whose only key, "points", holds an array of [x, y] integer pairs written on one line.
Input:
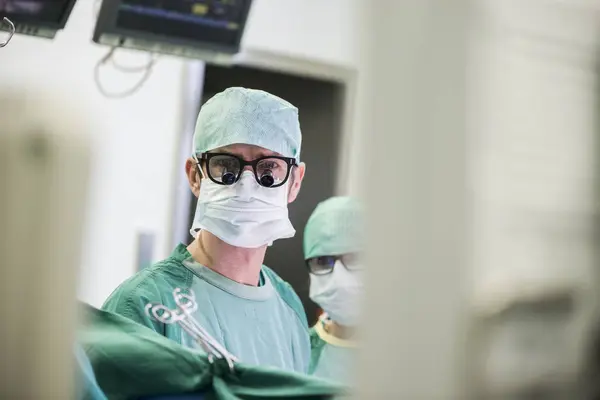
{"points": [[147, 70], [131, 69]]}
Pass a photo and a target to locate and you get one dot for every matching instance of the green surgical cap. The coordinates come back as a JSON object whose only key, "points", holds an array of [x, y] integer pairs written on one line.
{"points": [[248, 116], [334, 228]]}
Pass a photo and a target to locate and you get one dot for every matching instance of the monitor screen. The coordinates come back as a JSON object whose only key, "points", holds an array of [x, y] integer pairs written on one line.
{"points": [[36, 12], [212, 21]]}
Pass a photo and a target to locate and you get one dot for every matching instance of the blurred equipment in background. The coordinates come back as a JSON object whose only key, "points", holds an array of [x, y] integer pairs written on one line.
{"points": [[527, 347], [206, 30], [40, 18], [11, 30], [43, 180]]}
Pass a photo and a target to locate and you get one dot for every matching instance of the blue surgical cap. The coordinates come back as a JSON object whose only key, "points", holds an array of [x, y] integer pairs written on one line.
{"points": [[248, 116], [334, 228]]}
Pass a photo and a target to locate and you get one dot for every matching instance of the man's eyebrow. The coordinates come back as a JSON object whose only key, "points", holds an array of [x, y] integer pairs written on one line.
{"points": [[223, 150], [270, 153], [228, 152]]}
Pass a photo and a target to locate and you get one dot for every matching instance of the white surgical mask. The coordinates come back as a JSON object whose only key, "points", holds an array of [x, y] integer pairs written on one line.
{"points": [[338, 294], [244, 214]]}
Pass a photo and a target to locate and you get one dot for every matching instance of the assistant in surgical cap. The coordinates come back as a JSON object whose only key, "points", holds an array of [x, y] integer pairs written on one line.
{"points": [[334, 228], [248, 116]]}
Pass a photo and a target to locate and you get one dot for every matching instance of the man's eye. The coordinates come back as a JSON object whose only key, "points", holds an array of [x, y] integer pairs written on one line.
{"points": [[326, 261]]}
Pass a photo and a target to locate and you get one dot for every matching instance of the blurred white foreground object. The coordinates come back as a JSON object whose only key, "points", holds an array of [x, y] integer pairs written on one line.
{"points": [[417, 221], [43, 181], [481, 118]]}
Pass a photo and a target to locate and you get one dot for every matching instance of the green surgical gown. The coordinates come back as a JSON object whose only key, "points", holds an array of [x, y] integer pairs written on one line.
{"points": [[131, 361], [87, 386], [331, 358], [261, 325]]}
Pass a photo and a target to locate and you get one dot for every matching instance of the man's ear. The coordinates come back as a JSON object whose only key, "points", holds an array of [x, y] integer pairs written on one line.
{"points": [[296, 181], [191, 171]]}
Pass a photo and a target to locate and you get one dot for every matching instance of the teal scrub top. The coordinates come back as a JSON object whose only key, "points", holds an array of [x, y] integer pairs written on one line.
{"points": [[261, 325], [331, 358]]}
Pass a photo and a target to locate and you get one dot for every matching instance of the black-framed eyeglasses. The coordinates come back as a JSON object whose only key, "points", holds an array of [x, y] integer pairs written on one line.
{"points": [[226, 169], [323, 265]]}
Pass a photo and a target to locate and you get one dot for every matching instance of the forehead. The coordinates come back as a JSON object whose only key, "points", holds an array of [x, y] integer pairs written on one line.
{"points": [[247, 151]]}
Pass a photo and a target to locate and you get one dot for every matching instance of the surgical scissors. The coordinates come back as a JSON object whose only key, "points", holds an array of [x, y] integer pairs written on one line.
{"points": [[182, 315]]}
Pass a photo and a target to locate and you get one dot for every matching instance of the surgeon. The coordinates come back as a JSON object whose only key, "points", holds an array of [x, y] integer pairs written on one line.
{"points": [[332, 247], [244, 169]]}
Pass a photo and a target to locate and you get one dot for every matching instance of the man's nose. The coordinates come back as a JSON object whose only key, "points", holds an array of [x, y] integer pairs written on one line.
{"points": [[246, 185]]}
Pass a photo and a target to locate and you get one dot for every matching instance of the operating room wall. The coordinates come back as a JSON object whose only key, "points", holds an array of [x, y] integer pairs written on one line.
{"points": [[136, 139], [132, 141], [323, 31]]}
